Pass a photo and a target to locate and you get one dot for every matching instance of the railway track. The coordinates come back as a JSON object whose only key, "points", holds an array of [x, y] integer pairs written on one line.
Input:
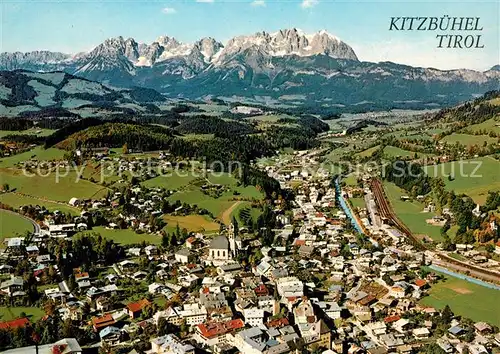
{"points": [[386, 212]]}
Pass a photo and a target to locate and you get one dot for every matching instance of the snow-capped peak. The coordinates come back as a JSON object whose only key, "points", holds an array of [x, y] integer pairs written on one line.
{"points": [[121, 53], [289, 42]]}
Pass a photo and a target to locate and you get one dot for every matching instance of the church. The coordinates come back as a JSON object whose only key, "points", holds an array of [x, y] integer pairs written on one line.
{"points": [[224, 248]]}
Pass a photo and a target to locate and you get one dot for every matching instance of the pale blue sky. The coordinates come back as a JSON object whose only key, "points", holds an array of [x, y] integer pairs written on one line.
{"points": [[71, 26]]}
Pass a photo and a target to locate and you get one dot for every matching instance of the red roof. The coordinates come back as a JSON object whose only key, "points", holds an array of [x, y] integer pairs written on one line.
{"points": [[279, 322], [104, 321], [82, 275], [261, 290], [59, 348], [299, 242], [391, 319], [215, 329], [138, 306], [191, 239], [18, 323], [420, 282]]}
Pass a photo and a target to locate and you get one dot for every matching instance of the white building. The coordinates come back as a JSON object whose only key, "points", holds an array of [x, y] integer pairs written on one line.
{"points": [[289, 287], [254, 317], [193, 314]]}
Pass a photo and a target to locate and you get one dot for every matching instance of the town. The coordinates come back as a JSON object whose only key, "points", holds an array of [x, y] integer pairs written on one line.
{"points": [[329, 278]]}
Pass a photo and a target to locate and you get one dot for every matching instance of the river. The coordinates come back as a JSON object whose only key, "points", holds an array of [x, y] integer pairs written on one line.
{"points": [[464, 277], [346, 208]]}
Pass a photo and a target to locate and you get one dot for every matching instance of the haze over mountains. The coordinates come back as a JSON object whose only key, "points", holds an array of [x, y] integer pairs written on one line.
{"points": [[288, 66]]}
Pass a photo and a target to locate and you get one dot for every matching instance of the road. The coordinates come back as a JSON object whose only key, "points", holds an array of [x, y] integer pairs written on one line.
{"points": [[36, 227]]}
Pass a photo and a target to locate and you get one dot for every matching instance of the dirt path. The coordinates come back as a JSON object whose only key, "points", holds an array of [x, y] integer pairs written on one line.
{"points": [[226, 215]]}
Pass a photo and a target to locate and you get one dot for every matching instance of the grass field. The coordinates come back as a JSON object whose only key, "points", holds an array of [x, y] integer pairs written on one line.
{"points": [[392, 151], [254, 212], [351, 180], [126, 236], [368, 152], [196, 223], [37, 153], [16, 201], [12, 313], [410, 212], [336, 154], [468, 140], [488, 125], [36, 132], [192, 194], [10, 225], [358, 202], [468, 180], [170, 182], [466, 299], [51, 187]]}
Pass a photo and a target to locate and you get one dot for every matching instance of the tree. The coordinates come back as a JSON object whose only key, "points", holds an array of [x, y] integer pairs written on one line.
{"points": [[67, 329], [490, 248], [6, 187], [447, 314], [165, 240]]}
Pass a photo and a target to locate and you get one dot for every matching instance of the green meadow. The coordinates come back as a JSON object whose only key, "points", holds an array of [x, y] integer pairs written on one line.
{"points": [[466, 299], [16, 201], [12, 313], [492, 125], [38, 153], [473, 177], [31, 131], [392, 151], [12, 225], [126, 236], [410, 213], [469, 140], [51, 187]]}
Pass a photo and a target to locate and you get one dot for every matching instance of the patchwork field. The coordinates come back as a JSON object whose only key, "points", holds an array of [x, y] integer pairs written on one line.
{"points": [[11, 225], [466, 299], [473, 177], [410, 212]]}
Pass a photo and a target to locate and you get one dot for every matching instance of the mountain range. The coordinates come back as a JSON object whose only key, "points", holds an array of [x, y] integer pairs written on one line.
{"points": [[288, 67]]}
